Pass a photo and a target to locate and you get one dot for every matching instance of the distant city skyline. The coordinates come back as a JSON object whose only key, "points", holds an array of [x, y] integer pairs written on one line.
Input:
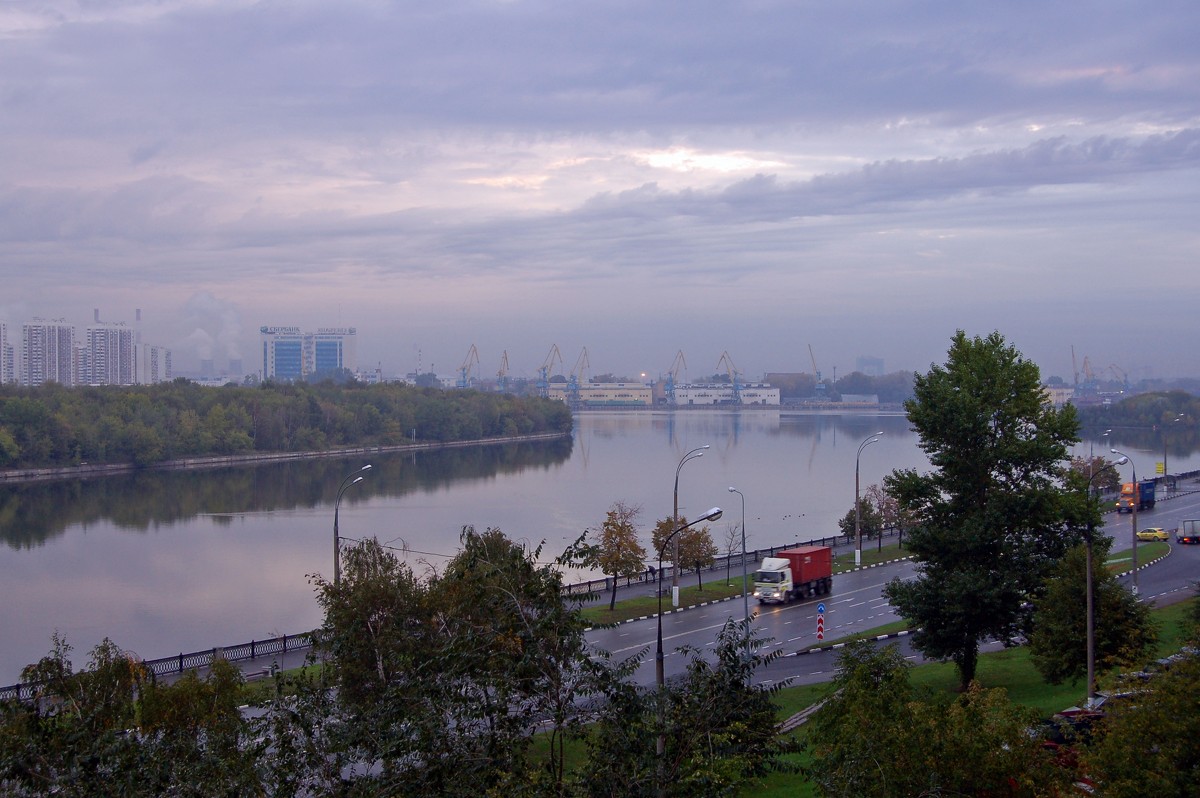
{"points": [[638, 179]]}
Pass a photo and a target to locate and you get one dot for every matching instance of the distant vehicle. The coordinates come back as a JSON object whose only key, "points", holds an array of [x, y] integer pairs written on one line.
{"points": [[1188, 532], [1139, 494], [1152, 533], [793, 574]]}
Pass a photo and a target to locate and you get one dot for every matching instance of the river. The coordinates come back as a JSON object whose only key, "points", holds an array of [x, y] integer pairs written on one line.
{"points": [[163, 561]]}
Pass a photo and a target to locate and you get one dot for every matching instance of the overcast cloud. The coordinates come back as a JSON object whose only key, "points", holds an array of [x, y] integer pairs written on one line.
{"points": [[637, 178]]}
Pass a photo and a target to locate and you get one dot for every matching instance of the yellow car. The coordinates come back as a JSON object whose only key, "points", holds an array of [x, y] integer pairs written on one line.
{"points": [[1152, 533]]}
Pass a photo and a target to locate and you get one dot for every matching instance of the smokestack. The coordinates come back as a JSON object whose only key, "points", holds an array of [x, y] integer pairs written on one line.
{"points": [[96, 315]]}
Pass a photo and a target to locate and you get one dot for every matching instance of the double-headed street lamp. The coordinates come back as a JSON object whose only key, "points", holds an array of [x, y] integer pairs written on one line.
{"points": [[857, 512], [692, 455], [1135, 500], [659, 675], [1091, 601], [351, 479]]}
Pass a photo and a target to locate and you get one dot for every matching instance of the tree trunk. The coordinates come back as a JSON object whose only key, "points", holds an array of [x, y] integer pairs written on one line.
{"points": [[612, 602]]}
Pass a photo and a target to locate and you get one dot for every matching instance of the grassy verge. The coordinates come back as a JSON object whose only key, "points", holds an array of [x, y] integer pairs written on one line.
{"points": [[689, 596]]}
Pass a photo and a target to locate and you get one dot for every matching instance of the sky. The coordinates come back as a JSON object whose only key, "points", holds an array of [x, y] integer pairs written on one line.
{"points": [[637, 179]]}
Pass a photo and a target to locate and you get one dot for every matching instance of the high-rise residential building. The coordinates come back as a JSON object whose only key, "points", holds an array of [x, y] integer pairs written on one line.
{"points": [[108, 355], [47, 353], [8, 357], [151, 364], [289, 354]]}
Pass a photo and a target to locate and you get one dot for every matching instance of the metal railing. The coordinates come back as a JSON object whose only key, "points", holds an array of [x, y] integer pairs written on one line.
{"points": [[182, 663]]}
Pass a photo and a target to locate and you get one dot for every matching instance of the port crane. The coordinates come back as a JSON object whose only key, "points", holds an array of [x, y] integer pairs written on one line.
{"points": [[816, 372], [502, 374], [734, 379], [552, 357], [464, 371], [576, 375], [673, 375]]}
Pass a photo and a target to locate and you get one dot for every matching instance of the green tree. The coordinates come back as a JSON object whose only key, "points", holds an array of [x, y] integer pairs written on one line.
{"points": [[870, 520], [720, 727], [1125, 634], [1098, 470], [618, 552], [1149, 744], [875, 735], [71, 739], [992, 515], [696, 546]]}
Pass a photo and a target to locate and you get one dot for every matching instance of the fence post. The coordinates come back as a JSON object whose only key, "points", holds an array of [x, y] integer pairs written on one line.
{"points": [[285, 644], [181, 662], [251, 649]]}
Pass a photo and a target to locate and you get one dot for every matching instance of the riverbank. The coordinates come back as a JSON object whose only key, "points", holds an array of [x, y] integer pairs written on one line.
{"points": [[86, 470]]}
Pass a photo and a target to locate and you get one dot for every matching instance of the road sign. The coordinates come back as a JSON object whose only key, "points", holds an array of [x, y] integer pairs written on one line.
{"points": [[821, 627], [821, 608]]}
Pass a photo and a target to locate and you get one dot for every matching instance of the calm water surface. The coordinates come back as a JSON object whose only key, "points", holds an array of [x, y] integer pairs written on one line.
{"points": [[168, 562]]}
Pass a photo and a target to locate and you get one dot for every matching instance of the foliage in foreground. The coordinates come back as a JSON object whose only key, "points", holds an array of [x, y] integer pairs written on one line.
{"points": [[876, 735]]}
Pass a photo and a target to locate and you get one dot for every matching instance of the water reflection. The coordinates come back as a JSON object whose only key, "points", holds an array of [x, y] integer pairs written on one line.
{"points": [[31, 514]]}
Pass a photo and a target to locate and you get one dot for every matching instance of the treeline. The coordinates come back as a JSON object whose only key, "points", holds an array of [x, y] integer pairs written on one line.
{"points": [[55, 426], [1147, 410], [892, 388]]}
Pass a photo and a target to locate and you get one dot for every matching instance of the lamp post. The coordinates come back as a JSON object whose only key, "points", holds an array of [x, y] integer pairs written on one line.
{"points": [[1135, 500], [857, 512], [1166, 473], [1091, 601], [745, 591], [659, 676], [351, 479], [692, 455]]}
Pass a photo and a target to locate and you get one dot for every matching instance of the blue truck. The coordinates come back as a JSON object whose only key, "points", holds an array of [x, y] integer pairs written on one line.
{"points": [[1140, 494]]}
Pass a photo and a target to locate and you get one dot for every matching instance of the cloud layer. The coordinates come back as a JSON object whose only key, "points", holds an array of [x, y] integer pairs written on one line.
{"points": [[634, 178]]}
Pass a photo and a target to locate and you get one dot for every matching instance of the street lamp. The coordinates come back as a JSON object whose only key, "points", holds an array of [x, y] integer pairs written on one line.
{"points": [[1166, 473], [659, 676], [1135, 500], [692, 455], [745, 591], [1091, 601], [352, 479], [857, 513]]}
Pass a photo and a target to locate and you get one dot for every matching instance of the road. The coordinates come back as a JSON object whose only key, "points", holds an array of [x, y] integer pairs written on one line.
{"points": [[857, 603]]}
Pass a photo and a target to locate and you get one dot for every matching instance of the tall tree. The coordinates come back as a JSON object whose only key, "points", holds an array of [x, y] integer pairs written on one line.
{"points": [[1125, 635], [617, 550], [992, 511]]}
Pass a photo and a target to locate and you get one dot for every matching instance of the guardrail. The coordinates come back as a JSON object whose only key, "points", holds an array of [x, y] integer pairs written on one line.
{"points": [[181, 663]]}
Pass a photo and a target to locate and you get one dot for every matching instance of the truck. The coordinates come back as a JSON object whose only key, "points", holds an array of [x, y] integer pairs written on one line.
{"points": [[1139, 493], [794, 574], [1188, 532]]}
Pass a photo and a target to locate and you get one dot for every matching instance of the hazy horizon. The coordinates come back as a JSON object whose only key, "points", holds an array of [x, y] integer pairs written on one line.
{"points": [[637, 179]]}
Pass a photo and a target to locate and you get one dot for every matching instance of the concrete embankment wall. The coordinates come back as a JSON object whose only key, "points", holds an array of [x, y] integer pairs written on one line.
{"points": [[11, 475]]}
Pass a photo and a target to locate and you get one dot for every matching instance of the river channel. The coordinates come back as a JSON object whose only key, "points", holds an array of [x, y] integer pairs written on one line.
{"points": [[164, 561]]}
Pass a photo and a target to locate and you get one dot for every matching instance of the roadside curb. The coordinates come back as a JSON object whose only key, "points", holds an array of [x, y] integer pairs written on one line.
{"points": [[665, 612], [836, 646], [874, 565], [1146, 565]]}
